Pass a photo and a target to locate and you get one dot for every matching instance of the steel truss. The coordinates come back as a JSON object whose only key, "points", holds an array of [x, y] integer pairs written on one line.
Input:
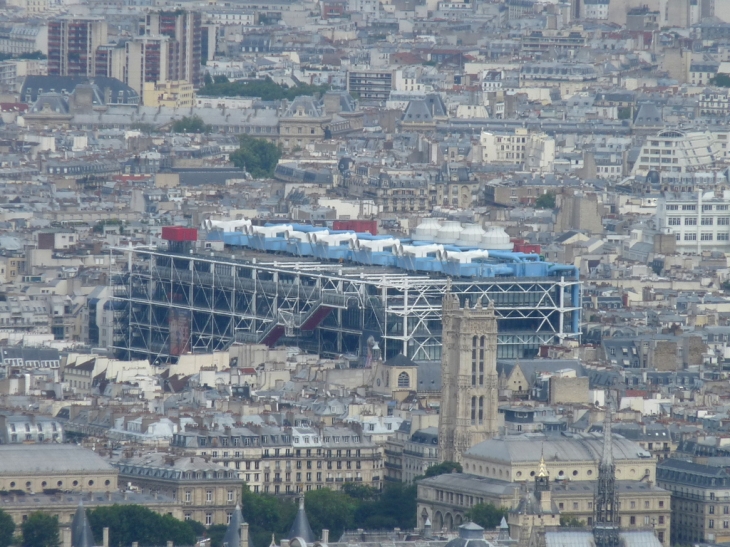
{"points": [[167, 304]]}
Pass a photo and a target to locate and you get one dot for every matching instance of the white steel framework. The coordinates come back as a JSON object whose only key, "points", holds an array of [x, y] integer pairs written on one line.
{"points": [[167, 304]]}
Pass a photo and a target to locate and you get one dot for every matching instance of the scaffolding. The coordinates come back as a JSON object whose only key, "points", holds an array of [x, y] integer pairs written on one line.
{"points": [[167, 304]]}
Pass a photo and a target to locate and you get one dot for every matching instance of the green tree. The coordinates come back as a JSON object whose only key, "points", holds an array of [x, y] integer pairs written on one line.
{"points": [[216, 534], [7, 527], [569, 521], [129, 523], [330, 509], [190, 124], [721, 80], [545, 201], [40, 530], [266, 514], [265, 89], [443, 468], [207, 79], [257, 156], [486, 515]]}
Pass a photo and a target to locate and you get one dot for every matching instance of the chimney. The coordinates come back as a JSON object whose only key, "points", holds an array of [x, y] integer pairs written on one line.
{"points": [[105, 536], [325, 535], [66, 537], [244, 534]]}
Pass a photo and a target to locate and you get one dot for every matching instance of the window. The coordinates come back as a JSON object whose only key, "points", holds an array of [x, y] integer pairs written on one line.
{"points": [[690, 237], [723, 221], [674, 221], [230, 495], [672, 207], [661, 519], [632, 521], [689, 207], [706, 236], [208, 519], [208, 496], [711, 523], [723, 237], [404, 380], [690, 221]]}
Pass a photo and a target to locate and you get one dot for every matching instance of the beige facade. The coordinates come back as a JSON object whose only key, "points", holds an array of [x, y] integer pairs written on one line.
{"points": [[574, 458], [290, 460], [32, 468], [469, 412], [446, 499], [64, 505], [177, 94], [208, 492]]}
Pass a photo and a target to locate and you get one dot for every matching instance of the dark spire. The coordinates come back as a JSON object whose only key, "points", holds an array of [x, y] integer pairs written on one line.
{"points": [[605, 504], [232, 537], [301, 527], [81, 535]]}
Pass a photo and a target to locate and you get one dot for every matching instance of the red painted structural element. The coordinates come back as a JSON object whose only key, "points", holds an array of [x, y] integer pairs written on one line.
{"points": [[178, 233], [360, 226]]}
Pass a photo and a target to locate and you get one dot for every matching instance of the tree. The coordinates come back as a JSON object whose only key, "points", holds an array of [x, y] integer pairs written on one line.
{"points": [[190, 124], [266, 514], [40, 530], [443, 468], [207, 79], [265, 89], [486, 515], [7, 527], [216, 534], [129, 523], [721, 80], [257, 156], [545, 201], [569, 521], [330, 509]]}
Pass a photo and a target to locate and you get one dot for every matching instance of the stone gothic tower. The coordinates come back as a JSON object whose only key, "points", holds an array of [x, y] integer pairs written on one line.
{"points": [[469, 377]]}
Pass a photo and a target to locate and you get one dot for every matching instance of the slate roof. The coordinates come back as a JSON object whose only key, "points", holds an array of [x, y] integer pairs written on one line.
{"points": [[232, 537], [567, 448], [300, 528], [81, 535], [56, 458]]}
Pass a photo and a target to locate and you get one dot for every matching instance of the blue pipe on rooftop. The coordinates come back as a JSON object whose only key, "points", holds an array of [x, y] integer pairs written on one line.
{"points": [[577, 304], [505, 255], [563, 268]]}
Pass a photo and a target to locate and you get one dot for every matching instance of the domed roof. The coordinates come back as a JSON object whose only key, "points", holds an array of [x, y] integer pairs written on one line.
{"points": [[450, 232], [471, 236], [427, 230], [470, 535], [496, 239]]}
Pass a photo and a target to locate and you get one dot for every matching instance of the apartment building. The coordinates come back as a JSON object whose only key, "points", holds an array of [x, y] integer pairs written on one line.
{"points": [[208, 491], [699, 220], [72, 44], [700, 501], [535, 150], [289, 460], [675, 153]]}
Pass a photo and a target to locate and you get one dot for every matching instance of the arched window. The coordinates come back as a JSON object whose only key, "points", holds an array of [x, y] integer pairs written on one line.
{"points": [[404, 380], [481, 361], [474, 361]]}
